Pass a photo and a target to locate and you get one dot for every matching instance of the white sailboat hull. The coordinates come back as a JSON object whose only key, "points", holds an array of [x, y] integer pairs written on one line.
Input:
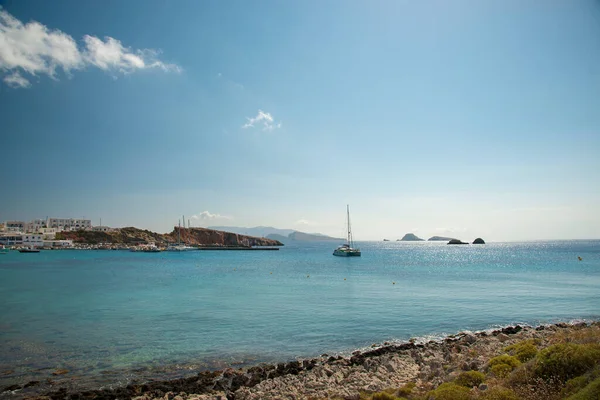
{"points": [[347, 252]]}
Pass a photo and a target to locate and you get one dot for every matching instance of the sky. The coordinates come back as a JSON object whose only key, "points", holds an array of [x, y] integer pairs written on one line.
{"points": [[459, 118]]}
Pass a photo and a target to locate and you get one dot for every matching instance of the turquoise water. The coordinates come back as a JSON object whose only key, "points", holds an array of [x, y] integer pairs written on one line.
{"points": [[158, 314]]}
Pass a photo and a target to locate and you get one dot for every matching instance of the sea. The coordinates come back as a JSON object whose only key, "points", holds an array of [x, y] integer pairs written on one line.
{"points": [[99, 319]]}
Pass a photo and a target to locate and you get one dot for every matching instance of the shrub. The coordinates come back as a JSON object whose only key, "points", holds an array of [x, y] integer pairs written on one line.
{"points": [[449, 391], [383, 396], [406, 390], [576, 384], [498, 393], [505, 359], [470, 378], [503, 365], [501, 370], [591, 391], [566, 361], [524, 351]]}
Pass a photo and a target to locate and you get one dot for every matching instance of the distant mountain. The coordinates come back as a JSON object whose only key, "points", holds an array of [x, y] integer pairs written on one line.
{"points": [[440, 239], [279, 238], [257, 231], [411, 237], [311, 237], [303, 237], [282, 235]]}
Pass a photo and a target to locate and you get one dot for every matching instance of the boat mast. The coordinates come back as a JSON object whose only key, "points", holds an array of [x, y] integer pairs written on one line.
{"points": [[348, 218], [179, 233]]}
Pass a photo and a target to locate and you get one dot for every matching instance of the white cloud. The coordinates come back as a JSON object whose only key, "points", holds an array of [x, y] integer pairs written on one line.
{"points": [[264, 118], [111, 55], [34, 49], [15, 80], [303, 221], [206, 215]]}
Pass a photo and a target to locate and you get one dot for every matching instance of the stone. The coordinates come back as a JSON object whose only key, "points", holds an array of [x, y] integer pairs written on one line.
{"points": [[478, 241], [502, 337]]}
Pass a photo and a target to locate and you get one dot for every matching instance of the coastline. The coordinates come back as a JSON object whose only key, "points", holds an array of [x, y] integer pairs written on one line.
{"points": [[427, 364]]}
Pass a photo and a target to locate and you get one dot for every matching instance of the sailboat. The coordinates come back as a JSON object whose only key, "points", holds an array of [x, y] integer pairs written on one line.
{"points": [[347, 249], [179, 246]]}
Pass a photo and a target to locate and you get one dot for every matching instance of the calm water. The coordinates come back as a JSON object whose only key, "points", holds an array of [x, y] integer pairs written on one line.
{"points": [[101, 313]]}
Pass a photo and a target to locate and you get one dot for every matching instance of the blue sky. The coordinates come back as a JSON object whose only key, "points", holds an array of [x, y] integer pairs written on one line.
{"points": [[461, 118]]}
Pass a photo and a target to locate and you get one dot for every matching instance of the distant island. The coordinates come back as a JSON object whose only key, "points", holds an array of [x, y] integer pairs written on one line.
{"points": [[411, 237], [281, 235], [440, 239], [190, 236]]}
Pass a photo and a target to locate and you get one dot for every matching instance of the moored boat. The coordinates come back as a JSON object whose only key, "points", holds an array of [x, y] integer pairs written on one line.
{"points": [[347, 249], [179, 246], [29, 250]]}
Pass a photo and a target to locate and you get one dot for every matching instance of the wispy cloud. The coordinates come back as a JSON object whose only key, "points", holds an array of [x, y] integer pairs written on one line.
{"points": [[207, 216], [263, 119], [15, 80], [110, 55], [33, 49]]}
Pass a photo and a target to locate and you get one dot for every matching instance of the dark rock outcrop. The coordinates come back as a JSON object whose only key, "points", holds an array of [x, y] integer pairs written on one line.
{"points": [[478, 241], [411, 237], [456, 241]]}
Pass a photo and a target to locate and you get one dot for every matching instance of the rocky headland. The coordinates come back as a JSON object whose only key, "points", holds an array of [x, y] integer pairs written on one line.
{"points": [[191, 236], [513, 361]]}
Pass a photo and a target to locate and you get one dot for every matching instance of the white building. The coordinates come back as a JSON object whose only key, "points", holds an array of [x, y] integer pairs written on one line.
{"points": [[33, 240], [69, 224], [14, 226], [35, 225], [58, 243], [11, 239]]}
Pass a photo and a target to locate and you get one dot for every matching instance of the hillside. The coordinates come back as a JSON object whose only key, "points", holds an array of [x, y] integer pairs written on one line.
{"points": [[257, 231], [303, 237], [191, 236]]}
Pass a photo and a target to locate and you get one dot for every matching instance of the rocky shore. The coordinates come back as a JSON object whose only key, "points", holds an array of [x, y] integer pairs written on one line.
{"points": [[421, 367]]}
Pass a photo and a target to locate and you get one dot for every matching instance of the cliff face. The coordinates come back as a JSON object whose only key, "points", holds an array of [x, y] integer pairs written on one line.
{"points": [[191, 236], [203, 236]]}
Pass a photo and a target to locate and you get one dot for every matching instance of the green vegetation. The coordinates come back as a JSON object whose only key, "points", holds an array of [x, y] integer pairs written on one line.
{"points": [[591, 391], [523, 351], [383, 396], [568, 368], [566, 361], [503, 365], [470, 378], [449, 391]]}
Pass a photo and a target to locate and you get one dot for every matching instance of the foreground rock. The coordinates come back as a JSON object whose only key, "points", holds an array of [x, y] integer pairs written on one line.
{"points": [[427, 365]]}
